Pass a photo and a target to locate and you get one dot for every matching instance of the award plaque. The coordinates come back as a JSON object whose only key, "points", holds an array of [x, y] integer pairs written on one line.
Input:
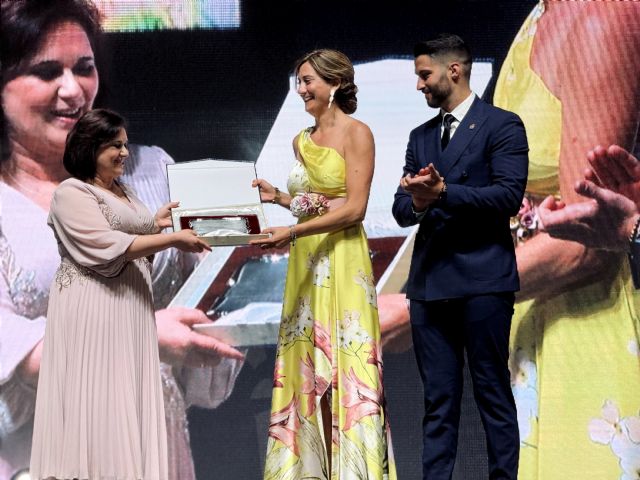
{"points": [[217, 201]]}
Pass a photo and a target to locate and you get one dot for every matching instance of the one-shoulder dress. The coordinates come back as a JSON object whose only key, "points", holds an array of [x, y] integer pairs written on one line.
{"points": [[329, 343]]}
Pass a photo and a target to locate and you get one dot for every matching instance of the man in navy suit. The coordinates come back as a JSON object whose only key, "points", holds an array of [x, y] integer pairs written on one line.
{"points": [[464, 177]]}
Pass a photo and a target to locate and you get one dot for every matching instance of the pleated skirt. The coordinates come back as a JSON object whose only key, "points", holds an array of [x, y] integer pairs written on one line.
{"points": [[99, 408]]}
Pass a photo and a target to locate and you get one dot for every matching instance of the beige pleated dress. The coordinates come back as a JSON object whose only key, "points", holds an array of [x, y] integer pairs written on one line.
{"points": [[99, 408]]}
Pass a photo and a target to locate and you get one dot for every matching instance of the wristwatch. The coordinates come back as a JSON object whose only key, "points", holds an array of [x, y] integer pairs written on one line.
{"points": [[442, 196]]}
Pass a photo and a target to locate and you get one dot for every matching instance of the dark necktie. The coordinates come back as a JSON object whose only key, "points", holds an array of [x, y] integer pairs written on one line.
{"points": [[447, 120]]}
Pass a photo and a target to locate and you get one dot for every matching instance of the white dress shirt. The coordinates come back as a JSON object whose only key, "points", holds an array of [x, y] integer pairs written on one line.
{"points": [[458, 113]]}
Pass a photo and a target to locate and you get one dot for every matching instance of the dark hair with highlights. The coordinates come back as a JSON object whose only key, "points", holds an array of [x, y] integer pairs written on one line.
{"points": [[446, 46], [93, 130], [23, 28], [335, 68]]}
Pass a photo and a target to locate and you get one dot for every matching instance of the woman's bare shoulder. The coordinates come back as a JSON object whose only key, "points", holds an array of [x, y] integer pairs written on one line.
{"points": [[358, 132]]}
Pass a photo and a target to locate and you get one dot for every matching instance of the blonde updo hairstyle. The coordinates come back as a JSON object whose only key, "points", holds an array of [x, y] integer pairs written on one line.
{"points": [[335, 68]]}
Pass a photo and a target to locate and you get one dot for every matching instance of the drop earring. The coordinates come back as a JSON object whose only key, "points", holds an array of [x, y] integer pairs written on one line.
{"points": [[333, 91]]}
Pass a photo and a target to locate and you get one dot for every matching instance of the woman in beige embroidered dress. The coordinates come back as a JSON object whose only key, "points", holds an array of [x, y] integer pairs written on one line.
{"points": [[99, 408]]}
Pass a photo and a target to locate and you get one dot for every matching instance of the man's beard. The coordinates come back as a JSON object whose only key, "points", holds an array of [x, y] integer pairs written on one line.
{"points": [[439, 94]]}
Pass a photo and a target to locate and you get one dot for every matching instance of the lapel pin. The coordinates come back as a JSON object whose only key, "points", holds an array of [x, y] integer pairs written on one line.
{"points": [[472, 126]]}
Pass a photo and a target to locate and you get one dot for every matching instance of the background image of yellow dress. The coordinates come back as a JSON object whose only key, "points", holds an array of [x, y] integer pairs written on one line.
{"points": [[329, 339], [574, 360]]}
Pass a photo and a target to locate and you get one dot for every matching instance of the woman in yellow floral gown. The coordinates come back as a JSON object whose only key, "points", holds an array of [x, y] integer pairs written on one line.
{"points": [[328, 418], [575, 364]]}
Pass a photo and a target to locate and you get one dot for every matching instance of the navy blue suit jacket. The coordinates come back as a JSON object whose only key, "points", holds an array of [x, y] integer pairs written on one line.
{"points": [[464, 246]]}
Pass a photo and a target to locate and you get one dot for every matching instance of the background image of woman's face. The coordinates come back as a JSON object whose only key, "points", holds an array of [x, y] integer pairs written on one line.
{"points": [[59, 85]]}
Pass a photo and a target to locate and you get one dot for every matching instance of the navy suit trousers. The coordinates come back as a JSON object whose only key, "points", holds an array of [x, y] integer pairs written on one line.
{"points": [[442, 330]]}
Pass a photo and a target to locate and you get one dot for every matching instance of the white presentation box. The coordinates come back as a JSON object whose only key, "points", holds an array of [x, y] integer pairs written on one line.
{"points": [[217, 201]]}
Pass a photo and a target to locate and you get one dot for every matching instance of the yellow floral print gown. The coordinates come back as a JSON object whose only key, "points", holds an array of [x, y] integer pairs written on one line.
{"points": [[329, 343], [575, 358]]}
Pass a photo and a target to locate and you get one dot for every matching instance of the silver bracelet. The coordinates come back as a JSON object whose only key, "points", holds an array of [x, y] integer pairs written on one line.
{"points": [[276, 197]]}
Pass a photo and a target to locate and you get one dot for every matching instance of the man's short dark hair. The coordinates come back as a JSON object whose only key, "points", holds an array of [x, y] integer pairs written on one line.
{"points": [[446, 45], [93, 129]]}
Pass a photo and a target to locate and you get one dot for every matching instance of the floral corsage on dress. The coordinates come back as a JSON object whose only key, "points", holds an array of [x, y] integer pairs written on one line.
{"points": [[308, 203]]}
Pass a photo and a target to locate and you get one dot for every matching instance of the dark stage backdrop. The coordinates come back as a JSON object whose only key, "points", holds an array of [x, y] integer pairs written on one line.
{"points": [[202, 93]]}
